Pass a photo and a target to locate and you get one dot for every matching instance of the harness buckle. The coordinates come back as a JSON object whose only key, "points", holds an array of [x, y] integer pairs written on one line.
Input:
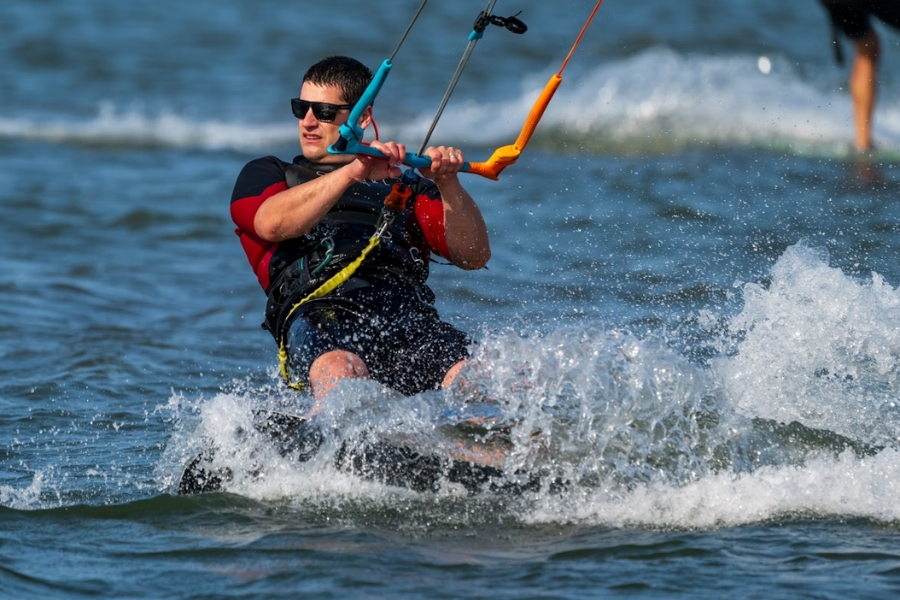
{"points": [[384, 221], [328, 244], [414, 254]]}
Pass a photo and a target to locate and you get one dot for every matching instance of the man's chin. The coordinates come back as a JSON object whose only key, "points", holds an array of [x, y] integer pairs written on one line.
{"points": [[317, 155]]}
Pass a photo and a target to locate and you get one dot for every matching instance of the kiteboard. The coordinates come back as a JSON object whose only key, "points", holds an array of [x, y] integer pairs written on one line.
{"points": [[475, 443]]}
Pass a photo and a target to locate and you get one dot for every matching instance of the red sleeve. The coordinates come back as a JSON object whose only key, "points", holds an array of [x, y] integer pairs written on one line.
{"points": [[259, 251], [430, 214], [259, 180], [243, 210]]}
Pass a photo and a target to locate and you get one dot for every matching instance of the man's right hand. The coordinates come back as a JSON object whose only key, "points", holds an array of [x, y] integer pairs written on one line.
{"points": [[372, 167]]}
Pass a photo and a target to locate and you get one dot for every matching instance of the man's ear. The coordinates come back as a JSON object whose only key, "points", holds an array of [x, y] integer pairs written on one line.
{"points": [[366, 117]]}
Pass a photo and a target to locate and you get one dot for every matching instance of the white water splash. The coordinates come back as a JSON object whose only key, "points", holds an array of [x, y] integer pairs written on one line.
{"points": [[633, 432], [23, 498], [818, 347]]}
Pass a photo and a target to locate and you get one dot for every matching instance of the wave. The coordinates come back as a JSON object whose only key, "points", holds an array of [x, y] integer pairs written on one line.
{"points": [[652, 102], [133, 129], [660, 100], [795, 418]]}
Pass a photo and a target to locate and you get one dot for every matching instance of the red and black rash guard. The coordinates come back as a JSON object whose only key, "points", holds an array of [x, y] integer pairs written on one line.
{"points": [[264, 177]]}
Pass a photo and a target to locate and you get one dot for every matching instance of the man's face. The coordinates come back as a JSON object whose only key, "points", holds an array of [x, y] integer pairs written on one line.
{"points": [[315, 136]]}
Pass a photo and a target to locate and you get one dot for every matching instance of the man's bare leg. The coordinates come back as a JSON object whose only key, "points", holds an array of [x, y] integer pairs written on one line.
{"points": [[329, 369], [864, 87], [452, 373], [474, 452]]}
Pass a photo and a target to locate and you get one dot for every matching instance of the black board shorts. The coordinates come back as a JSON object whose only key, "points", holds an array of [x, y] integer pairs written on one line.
{"points": [[853, 16], [399, 336]]}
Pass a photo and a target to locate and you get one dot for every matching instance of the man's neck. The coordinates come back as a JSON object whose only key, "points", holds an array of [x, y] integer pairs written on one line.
{"points": [[317, 166]]}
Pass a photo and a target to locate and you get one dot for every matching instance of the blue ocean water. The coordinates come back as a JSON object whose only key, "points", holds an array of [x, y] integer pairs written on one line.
{"points": [[691, 315]]}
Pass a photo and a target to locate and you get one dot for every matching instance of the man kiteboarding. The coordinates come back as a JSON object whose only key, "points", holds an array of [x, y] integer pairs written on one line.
{"points": [[340, 240], [302, 223]]}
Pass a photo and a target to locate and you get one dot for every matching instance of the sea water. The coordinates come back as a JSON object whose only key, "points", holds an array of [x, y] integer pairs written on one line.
{"points": [[691, 317]]}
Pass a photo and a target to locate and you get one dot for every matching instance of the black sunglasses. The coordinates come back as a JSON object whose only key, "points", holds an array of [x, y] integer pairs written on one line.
{"points": [[322, 111]]}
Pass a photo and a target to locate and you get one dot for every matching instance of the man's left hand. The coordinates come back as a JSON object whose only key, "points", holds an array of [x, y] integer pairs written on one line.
{"points": [[446, 161]]}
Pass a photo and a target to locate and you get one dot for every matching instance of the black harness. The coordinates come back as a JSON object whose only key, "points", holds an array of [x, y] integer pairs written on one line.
{"points": [[301, 265]]}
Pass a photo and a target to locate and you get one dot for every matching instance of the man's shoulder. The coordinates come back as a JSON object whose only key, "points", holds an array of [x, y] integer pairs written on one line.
{"points": [[265, 163], [257, 175], [424, 186]]}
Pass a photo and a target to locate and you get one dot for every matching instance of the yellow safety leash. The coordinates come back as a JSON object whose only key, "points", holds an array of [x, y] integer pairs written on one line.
{"points": [[329, 286], [395, 202]]}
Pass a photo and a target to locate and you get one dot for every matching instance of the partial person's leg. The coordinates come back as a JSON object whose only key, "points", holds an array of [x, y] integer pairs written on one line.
{"points": [[452, 373], [864, 87], [317, 357], [330, 368]]}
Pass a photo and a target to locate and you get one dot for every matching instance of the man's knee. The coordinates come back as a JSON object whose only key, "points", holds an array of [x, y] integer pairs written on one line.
{"points": [[333, 366]]}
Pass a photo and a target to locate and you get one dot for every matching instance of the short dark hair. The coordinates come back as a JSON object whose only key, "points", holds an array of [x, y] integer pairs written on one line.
{"points": [[347, 74]]}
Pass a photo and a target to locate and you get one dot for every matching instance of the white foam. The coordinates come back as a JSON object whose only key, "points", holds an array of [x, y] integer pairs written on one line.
{"points": [[135, 128], [843, 487]]}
